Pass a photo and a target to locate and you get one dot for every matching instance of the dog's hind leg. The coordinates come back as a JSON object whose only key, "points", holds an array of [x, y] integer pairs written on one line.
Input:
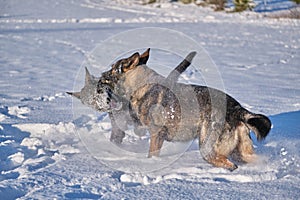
{"points": [[217, 146], [156, 141], [244, 150], [222, 161]]}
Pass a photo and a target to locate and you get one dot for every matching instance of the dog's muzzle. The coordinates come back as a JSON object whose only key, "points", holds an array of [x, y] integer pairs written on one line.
{"points": [[107, 100]]}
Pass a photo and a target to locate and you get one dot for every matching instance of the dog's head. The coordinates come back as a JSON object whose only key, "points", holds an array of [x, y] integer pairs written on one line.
{"points": [[102, 102], [120, 67], [110, 78], [97, 93]]}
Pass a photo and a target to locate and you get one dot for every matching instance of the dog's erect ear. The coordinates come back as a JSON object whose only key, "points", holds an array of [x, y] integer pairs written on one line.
{"points": [[74, 94], [144, 57], [131, 62], [88, 77]]}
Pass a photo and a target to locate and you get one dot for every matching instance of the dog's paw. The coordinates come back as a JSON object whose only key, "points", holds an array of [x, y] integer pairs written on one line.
{"points": [[234, 167], [117, 136]]}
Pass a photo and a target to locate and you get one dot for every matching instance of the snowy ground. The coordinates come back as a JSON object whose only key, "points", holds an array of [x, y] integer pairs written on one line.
{"points": [[45, 148]]}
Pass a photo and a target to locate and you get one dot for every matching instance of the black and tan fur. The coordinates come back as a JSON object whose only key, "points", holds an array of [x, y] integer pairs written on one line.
{"points": [[181, 112]]}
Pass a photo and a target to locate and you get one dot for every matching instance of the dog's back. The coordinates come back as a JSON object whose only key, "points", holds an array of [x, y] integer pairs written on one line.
{"points": [[182, 107]]}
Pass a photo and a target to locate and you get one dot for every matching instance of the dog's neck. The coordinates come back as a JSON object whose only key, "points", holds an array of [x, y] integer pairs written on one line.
{"points": [[141, 76]]}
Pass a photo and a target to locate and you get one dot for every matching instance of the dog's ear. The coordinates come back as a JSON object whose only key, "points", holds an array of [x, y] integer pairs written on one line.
{"points": [[88, 76], [131, 62], [144, 57], [74, 94]]}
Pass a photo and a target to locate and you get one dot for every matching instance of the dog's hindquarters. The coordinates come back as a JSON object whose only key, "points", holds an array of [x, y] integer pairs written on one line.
{"points": [[232, 139], [259, 124]]}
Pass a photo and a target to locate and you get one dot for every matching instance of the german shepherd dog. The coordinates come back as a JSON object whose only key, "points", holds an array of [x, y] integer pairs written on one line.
{"points": [[117, 107], [181, 112]]}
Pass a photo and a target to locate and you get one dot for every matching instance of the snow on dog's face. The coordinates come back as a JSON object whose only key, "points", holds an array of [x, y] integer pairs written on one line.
{"points": [[103, 101]]}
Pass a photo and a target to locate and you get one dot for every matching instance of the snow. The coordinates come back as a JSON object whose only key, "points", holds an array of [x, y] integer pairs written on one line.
{"points": [[18, 111], [53, 147]]}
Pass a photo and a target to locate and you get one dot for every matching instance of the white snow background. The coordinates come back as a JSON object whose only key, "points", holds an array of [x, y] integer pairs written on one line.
{"points": [[42, 47]]}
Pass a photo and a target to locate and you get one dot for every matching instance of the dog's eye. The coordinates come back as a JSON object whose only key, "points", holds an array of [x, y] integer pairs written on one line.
{"points": [[119, 69], [101, 88]]}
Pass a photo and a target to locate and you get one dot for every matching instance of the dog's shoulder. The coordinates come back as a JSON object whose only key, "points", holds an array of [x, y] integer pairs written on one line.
{"points": [[140, 76]]}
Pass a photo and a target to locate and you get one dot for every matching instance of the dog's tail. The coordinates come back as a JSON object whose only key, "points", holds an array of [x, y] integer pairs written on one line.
{"points": [[174, 75], [258, 123]]}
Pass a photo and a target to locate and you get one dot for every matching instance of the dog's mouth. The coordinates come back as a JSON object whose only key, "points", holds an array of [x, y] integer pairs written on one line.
{"points": [[108, 99], [114, 102]]}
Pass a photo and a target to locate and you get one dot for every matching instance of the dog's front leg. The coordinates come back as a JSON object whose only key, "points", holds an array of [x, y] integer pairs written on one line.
{"points": [[117, 134], [156, 141]]}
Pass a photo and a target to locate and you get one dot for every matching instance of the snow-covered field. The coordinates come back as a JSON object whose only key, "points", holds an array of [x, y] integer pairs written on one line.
{"points": [[53, 147]]}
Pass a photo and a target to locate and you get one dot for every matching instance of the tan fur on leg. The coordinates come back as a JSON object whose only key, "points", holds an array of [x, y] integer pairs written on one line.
{"points": [[245, 145], [222, 161], [156, 142], [203, 132]]}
